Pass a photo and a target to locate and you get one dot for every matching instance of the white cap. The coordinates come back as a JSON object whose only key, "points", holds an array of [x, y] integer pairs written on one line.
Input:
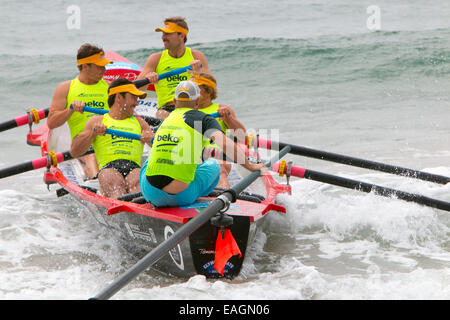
{"points": [[189, 88]]}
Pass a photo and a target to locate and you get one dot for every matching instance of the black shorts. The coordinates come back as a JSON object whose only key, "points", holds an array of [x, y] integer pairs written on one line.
{"points": [[123, 166], [159, 181]]}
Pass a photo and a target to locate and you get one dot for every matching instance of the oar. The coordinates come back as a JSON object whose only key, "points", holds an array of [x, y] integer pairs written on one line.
{"points": [[142, 82], [367, 164], [151, 120], [364, 187], [35, 116], [62, 156], [155, 122], [36, 164], [32, 116], [123, 134], [185, 231]]}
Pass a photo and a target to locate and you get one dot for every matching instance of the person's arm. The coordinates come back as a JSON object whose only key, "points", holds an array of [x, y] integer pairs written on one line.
{"points": [[58, 114], [232, 122], [233, 151], [200, 64], [212, 130], [149, 70], [81, 142], [147, 133], [229, 117]]}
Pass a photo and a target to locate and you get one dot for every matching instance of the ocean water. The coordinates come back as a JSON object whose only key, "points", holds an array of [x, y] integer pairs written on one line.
{"points": [[324, 74]]}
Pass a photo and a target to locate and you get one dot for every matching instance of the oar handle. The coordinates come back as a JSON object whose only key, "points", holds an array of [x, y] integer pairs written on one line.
{"points": [[142, 82], [134, 136], [32, 116], [42, 114], [123, 134], [103, 111], [94, 110], [36, 164]]}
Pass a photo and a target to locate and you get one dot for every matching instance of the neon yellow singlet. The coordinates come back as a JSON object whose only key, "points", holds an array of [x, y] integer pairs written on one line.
{"points": [[165, 89], [94, 96], [108, 148], [177, 149]]}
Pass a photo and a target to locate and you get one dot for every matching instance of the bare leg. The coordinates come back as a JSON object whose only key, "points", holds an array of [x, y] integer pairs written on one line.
{"points": [[225, 169], [112, 183], [132, 181], [90, 165]]}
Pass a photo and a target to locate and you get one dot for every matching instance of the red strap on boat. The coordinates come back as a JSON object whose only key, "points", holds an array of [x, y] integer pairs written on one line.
{"points": [[226, 247]]}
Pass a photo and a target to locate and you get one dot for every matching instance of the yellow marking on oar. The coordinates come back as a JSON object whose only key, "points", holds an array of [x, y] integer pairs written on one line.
{"points": [[281, 168], [53, 158], [36, 118]]}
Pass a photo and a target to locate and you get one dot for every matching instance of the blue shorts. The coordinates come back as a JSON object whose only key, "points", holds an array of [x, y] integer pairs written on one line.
{"points": [[205, 180]]}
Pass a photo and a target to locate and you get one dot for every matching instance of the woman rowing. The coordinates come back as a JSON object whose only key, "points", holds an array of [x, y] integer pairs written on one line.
{"points": [[228, 121]]}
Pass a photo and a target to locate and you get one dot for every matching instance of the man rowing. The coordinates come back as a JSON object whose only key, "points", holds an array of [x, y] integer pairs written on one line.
{"points": [[173, 174], [86, 89], [176, 55], [228, 121], [119, 159]]}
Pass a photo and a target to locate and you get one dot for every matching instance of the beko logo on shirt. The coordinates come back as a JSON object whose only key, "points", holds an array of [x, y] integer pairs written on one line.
{"points": [[168, 138], [95, 104], [177, 78]]}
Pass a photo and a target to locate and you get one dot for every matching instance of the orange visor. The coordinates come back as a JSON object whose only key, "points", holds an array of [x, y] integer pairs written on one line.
{"points": [[171, 27], [130, 88], [201, 80], [97, 59]]}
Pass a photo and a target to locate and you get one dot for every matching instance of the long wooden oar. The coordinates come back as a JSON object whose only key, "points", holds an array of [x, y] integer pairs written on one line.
{"points": [[51, 159], [185, 231], [364, 187], [34, 116], [367, 164]]}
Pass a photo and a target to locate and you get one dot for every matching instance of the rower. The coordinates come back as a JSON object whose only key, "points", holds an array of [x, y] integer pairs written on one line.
{"points": [[119, 159], [228, 121], [175, 55], [173, 174], [87, 89]]}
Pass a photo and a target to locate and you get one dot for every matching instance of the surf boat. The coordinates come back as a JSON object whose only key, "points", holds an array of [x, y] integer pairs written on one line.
{"points": [[143, 226]]}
